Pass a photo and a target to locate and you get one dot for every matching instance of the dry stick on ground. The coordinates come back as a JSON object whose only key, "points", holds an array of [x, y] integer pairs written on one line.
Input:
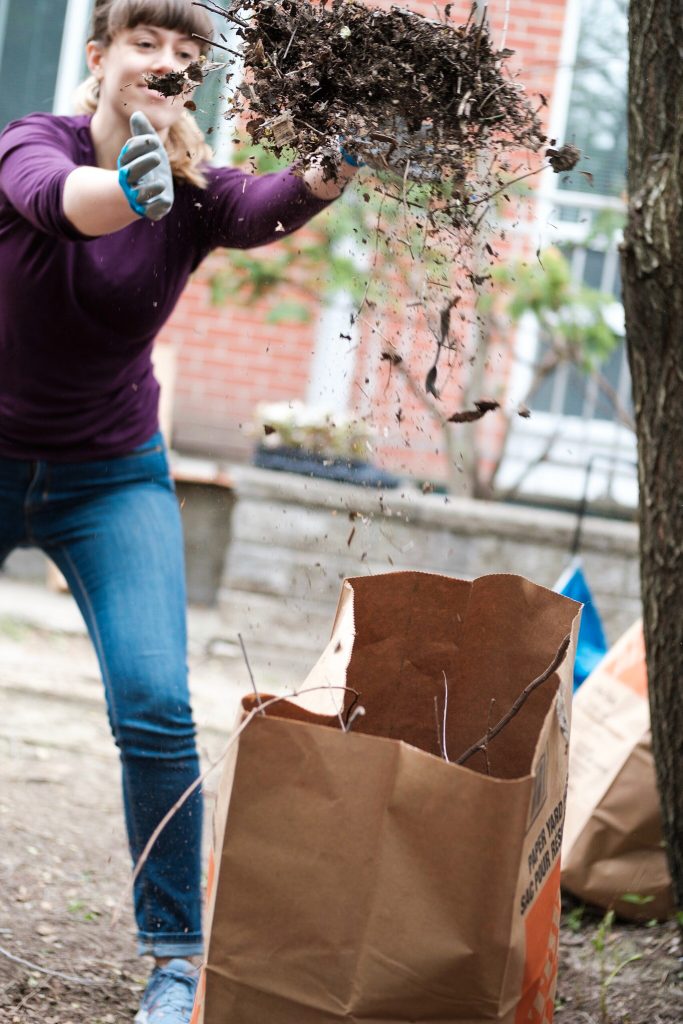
{"points": [[259, 709], [526, 692], [52, 974]]}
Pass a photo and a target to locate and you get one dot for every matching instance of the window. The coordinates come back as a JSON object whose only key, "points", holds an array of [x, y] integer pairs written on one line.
{"points": [[578, 419], [30, 44], [42, 61], [596, 118]]}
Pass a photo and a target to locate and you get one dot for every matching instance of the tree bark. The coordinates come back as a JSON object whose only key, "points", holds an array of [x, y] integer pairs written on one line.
{"points": [[652, 264]]}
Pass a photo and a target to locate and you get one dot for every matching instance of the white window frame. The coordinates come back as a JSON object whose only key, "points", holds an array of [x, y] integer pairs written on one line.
{"points": [[71, 60], [69, 64], [569, 442], [4, 13]]}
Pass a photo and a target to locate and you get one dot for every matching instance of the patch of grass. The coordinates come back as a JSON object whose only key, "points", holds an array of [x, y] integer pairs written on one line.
{"points": [[573, 919], [85, 913]]}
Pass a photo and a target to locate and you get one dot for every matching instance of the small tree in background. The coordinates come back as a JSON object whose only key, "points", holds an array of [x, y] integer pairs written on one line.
{"points": [[573, 325], [303, 271]]}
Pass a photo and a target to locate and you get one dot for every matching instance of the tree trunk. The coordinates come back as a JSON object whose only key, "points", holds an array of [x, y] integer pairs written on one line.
{"points": [[653, 297]]}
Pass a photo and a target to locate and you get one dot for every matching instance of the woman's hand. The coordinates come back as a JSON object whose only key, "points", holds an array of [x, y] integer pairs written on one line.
{"points": [[144, 171], [325, 187], [99, 201]]}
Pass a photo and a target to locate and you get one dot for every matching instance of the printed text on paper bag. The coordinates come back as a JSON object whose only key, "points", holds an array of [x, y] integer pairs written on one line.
{"points": [[543, 853]]}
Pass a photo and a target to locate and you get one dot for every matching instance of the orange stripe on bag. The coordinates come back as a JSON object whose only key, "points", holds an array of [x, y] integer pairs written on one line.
{"points": [[210, 875], [201, 987], [540, 966], [198, 999], [625, 663]]}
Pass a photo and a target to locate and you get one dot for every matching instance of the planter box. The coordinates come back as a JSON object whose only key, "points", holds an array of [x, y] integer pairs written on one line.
{"points": [[328, 467]]}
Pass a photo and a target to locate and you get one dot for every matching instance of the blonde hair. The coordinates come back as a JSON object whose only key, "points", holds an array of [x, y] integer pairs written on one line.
{"points": [[186, 146]]}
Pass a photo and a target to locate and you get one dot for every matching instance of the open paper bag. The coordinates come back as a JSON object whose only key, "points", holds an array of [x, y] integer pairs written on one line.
{"points": [[361, 875], [613, 854]]}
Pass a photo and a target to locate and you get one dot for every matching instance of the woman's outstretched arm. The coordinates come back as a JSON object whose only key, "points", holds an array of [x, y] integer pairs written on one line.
{"points": [[94, 202]]}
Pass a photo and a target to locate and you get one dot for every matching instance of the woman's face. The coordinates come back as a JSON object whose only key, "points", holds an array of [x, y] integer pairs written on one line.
{"points": [[122, 67]]}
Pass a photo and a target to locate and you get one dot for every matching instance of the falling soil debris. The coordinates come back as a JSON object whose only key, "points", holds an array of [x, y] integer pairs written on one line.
{"points": [[403, 93], [470, 415], [431, 106], [563, 159], [395, 87], [178, 83]]}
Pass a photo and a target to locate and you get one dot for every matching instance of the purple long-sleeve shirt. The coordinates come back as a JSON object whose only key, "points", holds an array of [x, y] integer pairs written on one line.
{"points": [[78, 315]]}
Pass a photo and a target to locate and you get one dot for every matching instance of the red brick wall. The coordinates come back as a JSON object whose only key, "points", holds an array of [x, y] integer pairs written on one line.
{"points": [[229, 358]]}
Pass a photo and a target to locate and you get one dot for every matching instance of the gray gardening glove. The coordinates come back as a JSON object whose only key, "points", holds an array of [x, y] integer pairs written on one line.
{"points": [[144, 170]]}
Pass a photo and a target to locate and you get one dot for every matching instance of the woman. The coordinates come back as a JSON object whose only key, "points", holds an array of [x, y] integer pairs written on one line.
{"points": [[103, 216]]}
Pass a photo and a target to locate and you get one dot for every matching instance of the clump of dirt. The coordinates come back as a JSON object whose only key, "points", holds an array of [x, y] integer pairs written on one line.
{"points": [[182, 83], [402, 92], [563, 159]]}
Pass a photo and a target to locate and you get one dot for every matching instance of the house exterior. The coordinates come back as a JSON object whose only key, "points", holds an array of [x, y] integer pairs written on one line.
{"points": [[219, 361]]}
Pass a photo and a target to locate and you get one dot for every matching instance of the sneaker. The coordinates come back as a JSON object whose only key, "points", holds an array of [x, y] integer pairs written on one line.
{"points": [[169, 996]]}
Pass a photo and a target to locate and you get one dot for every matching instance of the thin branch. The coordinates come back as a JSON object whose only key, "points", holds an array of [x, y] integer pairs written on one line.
{"points": [[612, 396], [506, 25], [441, 721], [357, 712], [291, 40], [492, 195], [204, 39], [52, 974], [488, 735], [438, 725], [251, 675], [300, 120], [215, 9], [521, 700], [445, 715]]}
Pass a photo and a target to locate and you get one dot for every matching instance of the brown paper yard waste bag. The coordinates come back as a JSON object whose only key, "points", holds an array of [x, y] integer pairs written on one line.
{"points": [[613, 832], [360, 876]]}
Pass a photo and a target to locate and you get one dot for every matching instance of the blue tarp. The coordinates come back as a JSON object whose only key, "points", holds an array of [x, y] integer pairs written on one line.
{"points": [[592, 644]]}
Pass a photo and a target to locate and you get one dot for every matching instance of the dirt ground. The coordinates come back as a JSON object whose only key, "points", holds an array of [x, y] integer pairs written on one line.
{"points": [[64, 869]]}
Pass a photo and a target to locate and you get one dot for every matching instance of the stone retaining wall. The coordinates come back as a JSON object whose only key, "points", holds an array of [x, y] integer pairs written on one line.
{"points": [[273, 548], [294, 539]]}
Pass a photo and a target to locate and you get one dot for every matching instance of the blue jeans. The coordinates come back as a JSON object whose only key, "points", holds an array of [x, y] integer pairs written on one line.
{"points": [[113, 528]]}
